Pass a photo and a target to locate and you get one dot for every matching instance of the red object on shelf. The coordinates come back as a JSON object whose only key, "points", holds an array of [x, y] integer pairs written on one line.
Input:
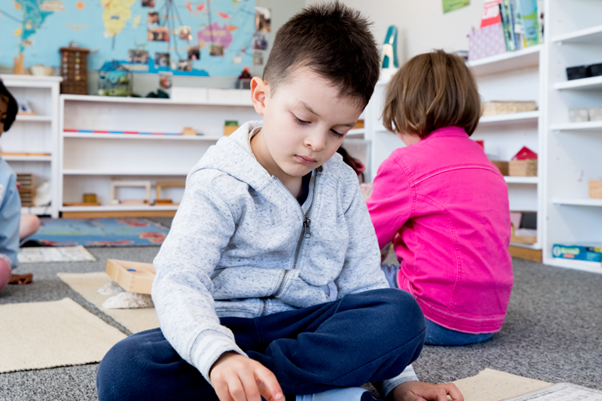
{"points": [[481, 142], [525, 154]]}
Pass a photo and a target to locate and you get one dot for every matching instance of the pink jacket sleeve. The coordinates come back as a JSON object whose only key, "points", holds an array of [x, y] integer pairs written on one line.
{"points": [[391, 202]]}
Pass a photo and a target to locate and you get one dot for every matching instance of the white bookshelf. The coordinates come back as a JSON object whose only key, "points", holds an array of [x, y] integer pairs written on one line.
{"points": [[35, 134], [90, 161], [574, 150], [509, 61]]}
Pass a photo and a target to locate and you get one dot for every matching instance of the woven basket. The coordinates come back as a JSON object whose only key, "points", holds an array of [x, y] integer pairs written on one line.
{"points": [[496, 107]]}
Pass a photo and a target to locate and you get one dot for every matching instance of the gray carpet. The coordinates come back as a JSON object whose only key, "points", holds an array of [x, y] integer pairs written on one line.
{"points": [[552, 331]]}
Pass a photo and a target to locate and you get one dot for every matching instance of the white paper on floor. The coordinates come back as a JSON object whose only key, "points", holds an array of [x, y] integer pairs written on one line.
{"points": [[49, 254]]}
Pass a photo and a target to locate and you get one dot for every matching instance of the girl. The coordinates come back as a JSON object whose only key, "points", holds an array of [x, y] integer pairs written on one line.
{"points": [[443, 203]]}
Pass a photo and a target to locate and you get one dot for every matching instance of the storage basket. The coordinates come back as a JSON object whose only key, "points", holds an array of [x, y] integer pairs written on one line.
{"points": [[522, 168], [496, 107]]}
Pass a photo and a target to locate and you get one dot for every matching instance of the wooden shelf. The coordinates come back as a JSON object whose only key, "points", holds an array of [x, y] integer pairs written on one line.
{"points": [[141, 137], [593, 83], [521, 180], [583, 126], [577, 201], [525, 117], [507, 61], [146, 101], [591, 35], [123, 173], [536, 246]]}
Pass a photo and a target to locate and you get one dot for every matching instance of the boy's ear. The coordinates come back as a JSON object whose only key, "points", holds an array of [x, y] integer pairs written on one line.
{"points": [[259, 92]]}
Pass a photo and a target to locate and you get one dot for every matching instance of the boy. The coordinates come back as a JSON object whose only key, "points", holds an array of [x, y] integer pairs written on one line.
{"points": [[11, 224], [269, 281]]}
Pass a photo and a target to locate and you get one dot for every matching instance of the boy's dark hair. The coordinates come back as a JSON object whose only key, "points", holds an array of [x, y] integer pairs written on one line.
{"points": [[334, 41], [13, 108], [432, 91]]}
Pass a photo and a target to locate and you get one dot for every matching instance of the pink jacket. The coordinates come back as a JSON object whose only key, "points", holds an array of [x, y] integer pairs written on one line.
{"points": [[449, 205]]}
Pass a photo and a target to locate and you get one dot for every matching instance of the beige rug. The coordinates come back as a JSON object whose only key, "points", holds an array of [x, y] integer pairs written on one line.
{"points": [[493, 385], [87, 285], [40, 335]]}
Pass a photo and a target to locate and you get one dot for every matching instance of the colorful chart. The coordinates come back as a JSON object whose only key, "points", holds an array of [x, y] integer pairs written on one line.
{"points": [[186, 37]]}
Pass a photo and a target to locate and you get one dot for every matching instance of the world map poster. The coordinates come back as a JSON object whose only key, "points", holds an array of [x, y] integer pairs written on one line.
{"points": [[187, 37]]}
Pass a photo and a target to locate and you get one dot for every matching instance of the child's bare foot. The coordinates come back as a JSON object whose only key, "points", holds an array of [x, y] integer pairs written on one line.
{"points": [[21, 279]]}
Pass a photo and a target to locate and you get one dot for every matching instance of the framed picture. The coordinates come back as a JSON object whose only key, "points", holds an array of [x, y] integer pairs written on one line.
{"points": [[161, 60]]}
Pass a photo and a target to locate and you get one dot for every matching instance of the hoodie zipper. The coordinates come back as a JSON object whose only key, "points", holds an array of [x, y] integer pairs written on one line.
{"points": [[305, 231]]}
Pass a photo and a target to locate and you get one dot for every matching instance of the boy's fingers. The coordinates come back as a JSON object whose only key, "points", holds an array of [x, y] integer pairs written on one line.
{"points": [[453, 392], [268, 384], [236, 389], [250, 386], [221, 389]]}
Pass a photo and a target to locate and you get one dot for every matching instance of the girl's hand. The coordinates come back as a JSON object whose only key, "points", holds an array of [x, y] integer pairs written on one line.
{"points": [[418, 391], [237, 378]]}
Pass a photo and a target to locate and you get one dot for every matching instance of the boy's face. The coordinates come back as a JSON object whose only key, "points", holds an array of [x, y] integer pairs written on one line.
{"points": [[304, 123], [3, 111]]}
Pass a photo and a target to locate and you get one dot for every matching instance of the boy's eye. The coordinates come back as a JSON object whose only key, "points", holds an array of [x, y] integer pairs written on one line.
{"points": [[337, 133], [299, 121]]}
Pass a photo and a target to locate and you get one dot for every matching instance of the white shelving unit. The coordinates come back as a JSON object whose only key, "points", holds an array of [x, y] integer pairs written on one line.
{"points": [[90, 161], [35, 134], [574, 150], [514, 76]]}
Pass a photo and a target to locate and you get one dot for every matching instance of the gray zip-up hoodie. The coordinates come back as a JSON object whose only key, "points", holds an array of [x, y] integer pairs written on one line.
{"points": [[240, 245]]}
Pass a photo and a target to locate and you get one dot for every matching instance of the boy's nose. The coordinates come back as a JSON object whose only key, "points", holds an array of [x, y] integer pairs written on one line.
{"points": [[316, 141]]}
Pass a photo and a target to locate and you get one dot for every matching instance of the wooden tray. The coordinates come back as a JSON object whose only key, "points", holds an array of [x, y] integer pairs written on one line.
{"points": [[132, 276]]}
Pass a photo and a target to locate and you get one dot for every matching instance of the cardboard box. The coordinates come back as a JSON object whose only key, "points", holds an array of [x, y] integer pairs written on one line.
{"points": [[590, 253], [497, 107], [522, 168], [502, 166], [578, 115], [595, 113], [595, 189]]}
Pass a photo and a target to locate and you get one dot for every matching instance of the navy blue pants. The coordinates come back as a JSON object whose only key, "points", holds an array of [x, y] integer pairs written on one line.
{"points": [[365, 337]]}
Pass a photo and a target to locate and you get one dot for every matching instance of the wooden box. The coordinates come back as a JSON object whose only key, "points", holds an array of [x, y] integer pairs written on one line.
{"points": [[497, 107], [74, 70], [26, 189], [522, 168], [131, 276], [595, 189], [502, 166]]}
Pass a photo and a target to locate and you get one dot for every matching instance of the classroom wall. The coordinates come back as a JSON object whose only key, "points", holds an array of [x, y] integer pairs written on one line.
{"points": [[422, 24], [145, 83]]}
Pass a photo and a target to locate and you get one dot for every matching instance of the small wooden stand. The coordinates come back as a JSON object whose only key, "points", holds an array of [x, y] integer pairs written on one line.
{"points": [[19, 67], [160, 185], [132, 276]]}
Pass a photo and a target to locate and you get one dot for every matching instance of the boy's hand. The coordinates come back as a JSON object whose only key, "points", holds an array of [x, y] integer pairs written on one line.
{"points": [[418, 391], [237, 378]]}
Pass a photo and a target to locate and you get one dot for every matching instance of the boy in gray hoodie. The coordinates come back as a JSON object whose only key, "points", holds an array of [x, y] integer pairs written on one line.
{"points": [[269, 282]]}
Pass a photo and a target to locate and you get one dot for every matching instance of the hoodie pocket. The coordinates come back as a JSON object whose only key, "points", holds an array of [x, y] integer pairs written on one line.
{"points": [[246, 282], [299, 294]]}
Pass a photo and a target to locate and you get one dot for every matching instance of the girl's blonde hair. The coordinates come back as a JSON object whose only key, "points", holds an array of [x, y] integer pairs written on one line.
{"points": [[432, 91]]}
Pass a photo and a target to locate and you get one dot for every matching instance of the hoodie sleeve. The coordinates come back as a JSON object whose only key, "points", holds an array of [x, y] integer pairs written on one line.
{"points": [[182, 289]]}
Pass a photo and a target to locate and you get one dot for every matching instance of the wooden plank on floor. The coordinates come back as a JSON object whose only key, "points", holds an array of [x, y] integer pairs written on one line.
{"points": [[136, 213], [526, 253]]}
